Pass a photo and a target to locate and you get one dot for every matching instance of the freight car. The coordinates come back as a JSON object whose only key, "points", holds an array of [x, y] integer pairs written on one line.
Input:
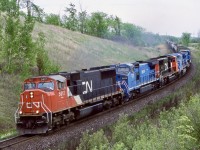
{"points": [[50, 101], [173, 46]]}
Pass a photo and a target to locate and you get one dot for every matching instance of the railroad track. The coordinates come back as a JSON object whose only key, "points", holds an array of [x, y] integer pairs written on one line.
{"points": [[8, 143], [20, 140]]}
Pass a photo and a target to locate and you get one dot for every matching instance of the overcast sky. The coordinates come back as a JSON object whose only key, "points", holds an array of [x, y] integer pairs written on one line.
{"points": [[171, 17]]}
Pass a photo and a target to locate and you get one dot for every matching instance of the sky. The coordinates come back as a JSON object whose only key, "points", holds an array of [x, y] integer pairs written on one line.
{"points": [[165, 17]]}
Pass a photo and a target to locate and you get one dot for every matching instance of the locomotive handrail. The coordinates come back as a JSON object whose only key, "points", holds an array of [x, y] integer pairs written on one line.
{"points": [[18, 110]]}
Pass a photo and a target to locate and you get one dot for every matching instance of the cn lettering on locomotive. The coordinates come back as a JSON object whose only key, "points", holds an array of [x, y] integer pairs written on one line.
{"points": [[88, 86]]}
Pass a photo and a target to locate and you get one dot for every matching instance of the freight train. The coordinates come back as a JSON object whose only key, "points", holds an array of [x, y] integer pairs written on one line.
{"points": [[48, 102], [175, 47]]}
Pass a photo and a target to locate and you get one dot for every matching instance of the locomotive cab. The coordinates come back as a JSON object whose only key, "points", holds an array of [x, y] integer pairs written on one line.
{"points": [[136, 77], [186, 57]]}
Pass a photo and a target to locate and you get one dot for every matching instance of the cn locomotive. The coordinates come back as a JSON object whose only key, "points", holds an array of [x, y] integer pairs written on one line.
{"points": [[50, 101]]}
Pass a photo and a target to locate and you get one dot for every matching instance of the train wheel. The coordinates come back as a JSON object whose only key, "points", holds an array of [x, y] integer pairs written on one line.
{"points": [[115, 102], [107, 104]]}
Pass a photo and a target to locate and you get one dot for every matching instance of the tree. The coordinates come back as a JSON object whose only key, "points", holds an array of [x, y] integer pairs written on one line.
{"points": [[82, 17], [38, 13], [9, 6], [44, 65], [115, 25], [185, 38], [18, 49], [98, 24], [11, 32], [53, 19], [70, 18], [132, 33]]}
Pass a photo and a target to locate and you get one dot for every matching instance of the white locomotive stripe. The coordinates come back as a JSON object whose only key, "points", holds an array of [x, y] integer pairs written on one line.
{"points": [[69, 92], [45, 104], [46, 108], [78, 99]]}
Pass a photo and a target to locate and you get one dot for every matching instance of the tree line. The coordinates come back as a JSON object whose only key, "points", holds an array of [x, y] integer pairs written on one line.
{"points": [[98, 24]]}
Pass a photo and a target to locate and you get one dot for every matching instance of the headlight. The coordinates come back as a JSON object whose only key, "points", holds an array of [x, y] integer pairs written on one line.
{"points": [[31, 94], [37, 111], [20, 112]]}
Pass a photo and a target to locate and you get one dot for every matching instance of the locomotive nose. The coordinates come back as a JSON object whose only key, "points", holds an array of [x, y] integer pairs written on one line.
{"points": [[32, 102]]}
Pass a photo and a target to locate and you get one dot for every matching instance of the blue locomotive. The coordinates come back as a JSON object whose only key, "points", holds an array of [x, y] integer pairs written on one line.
{"points": [[143, 76], [135, 77]]}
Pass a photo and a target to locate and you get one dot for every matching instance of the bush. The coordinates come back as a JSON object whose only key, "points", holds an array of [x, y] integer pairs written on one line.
{"points": [[96, 141], [192, 113], [175, 129]]}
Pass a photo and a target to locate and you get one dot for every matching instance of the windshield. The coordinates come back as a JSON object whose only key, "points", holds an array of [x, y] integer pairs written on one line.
{"points": [[46, 85], [29, 86], [123, 70]]}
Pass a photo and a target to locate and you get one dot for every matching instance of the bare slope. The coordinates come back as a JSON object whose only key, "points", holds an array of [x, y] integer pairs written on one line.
{"points": [[73, 50]]}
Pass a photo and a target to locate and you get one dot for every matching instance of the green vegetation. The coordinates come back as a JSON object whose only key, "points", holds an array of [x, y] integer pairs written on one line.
{"points": [[73, 50], [19, 51], [9, 98], [159, 126], [103, 25], [52, 19], [20, 57], [185, 39]]}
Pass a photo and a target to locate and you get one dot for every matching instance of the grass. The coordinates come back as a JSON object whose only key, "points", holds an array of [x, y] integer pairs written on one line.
{"points": [[8, 134], [9, 98], [73, 50]]}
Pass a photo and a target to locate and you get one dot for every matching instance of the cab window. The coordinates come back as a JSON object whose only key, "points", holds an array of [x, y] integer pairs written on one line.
{"points": [[46, 86], [29, 86], [60, 85], [123, 70]]}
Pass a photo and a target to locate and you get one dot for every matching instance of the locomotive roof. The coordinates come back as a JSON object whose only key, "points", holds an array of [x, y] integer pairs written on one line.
{"points": [[185, 50], [55, 77], [128, 64], [175, 54], [58, 77]]}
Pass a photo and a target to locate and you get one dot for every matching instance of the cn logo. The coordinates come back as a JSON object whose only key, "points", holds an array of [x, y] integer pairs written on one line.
{"points": [[30, 105], [88, 87]]}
